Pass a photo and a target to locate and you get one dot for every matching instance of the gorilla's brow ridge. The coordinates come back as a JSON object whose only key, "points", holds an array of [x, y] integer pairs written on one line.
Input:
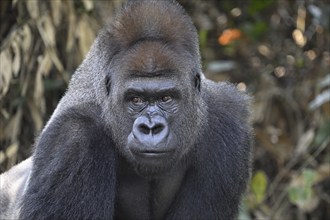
{"points": [[149, 39], [163, 72]]}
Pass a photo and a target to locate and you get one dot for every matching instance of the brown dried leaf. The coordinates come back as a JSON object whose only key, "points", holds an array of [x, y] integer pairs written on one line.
{"points": [[323, 172], [12, 150], [71, 26], [37, 105], [25, 82], [33, 9], [304, 141], [56, 60], [14, 3], [26, 38], [13, 128], [2, 157], [45, 64], [56, 11], [38, 92], [5, 71], [89, 5], [85, 35], [17, 58], [47, 31], [36, 115]]}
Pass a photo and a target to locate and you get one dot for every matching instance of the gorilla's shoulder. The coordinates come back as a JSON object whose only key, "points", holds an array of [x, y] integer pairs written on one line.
{"points": [[78, 124], [85, 115], [225, 98]]}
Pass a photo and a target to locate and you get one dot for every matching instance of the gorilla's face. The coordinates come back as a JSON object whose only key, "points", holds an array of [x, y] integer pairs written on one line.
{"points": [[153, 107], [152, 104]]}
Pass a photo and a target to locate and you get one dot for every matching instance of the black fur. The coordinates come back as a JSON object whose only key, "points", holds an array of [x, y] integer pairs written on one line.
{"points": [[73, 156]]}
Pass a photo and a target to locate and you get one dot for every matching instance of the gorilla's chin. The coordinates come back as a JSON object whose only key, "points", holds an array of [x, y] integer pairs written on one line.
{"points": [[151, 161], [153, 168]]}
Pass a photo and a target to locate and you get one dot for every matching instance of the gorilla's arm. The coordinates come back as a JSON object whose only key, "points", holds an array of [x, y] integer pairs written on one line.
{"points": [[213, 186], [72, 157], [12, 187]]}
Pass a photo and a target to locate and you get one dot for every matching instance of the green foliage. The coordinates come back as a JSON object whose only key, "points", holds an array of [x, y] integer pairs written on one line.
{"points": [[258, 5], [259, 186], [255, 30], [301, 193], [202, 34], [323, 133]]}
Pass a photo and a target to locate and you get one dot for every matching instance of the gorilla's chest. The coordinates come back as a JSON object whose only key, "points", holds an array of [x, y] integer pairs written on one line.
{"points": [[141, 198]]}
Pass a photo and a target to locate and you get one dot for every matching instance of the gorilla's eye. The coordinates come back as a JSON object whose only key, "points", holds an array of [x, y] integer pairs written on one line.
{"points": [[137, 100], [166, 98]]}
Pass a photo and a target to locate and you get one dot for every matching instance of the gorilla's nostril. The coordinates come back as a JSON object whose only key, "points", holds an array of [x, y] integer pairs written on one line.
{"points": [[157, 129], [143, 128], [154, 130]]}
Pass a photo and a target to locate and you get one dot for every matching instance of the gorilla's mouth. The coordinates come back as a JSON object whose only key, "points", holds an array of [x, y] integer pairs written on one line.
{"points": [[158, 157], [151, 153]]}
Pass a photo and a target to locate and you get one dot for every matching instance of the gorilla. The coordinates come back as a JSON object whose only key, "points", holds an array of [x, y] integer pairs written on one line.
{"points": [[140, 133]]}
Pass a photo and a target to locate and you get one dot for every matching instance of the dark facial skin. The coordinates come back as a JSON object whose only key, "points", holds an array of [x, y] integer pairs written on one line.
{"points": [[151, 104], [148, 98]]}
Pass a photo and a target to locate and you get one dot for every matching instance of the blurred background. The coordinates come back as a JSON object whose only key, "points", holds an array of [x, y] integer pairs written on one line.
{"points": [[276, 50]]}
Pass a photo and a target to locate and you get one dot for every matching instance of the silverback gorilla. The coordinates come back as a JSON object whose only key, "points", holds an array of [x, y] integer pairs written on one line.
{"points": [[140, 133]]}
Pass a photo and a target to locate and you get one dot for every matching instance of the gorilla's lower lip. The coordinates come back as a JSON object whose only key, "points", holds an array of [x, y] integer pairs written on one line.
{"points": [[153, 154]]}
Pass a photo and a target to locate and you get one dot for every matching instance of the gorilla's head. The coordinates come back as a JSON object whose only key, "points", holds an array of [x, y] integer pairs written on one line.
{"points": [[153, 84]]}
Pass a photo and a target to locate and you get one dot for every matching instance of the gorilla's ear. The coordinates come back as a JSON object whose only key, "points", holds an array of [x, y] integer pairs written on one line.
{"points": [[108, 83], [198, 81]]}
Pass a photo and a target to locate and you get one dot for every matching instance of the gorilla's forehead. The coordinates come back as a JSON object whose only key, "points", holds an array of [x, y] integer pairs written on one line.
{"points": [[155, 58], [161, 82]]}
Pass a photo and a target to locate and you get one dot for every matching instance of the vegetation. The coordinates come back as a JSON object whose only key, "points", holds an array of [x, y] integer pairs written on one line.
{"points": [[277, 50]]}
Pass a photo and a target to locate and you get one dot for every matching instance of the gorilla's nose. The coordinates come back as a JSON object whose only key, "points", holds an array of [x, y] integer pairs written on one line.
{"points": [[150, 131]]}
